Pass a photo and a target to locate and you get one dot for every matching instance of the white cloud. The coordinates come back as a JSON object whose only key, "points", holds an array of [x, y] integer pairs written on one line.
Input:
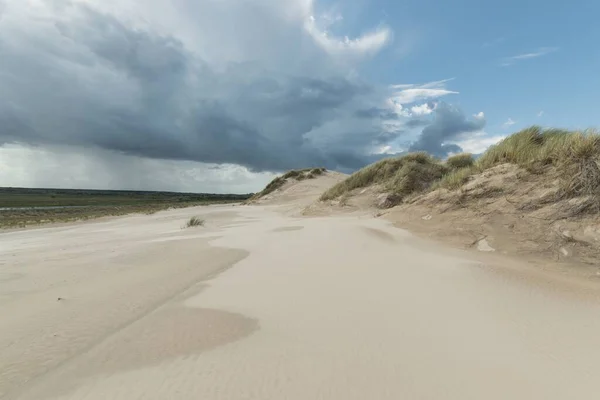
{"points": [[509, 122], [436, 84], [479, 115], [429, 85], [542, 51], [367, 44], [319, 29], [422, 109], [384, 150], [402, 86], [397, 108], [410, 93], [408, 96], [478, 142], [328, 19], [541, 113]]}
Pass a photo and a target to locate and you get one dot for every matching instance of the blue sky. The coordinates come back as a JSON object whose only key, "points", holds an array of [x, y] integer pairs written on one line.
{"points": [[470, 40], [204, 95]]}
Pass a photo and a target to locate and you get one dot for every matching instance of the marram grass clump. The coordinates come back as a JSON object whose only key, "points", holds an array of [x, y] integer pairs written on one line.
{"points": [[194, 221], [460, 161], [574, 154], [455, 179], [402, 176]]}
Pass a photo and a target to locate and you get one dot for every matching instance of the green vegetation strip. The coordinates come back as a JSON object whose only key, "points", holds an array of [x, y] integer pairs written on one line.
{"points": [[21, 207]]}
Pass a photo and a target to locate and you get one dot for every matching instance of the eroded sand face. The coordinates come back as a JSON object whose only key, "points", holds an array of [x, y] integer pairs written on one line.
{"points": [[316, 308]]}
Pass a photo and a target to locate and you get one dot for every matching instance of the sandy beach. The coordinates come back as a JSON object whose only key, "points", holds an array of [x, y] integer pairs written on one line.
{"points": [[258, 304], [299, 200]]}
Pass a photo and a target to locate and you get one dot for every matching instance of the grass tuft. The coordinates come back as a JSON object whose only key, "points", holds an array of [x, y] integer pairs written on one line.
{"points": [[522, 149], [455, 179], [415, 177], [460, 161], [579, 163], [194, 221]]}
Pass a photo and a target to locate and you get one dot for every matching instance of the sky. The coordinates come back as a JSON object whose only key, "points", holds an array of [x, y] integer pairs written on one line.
{"points": [[222, 95]]}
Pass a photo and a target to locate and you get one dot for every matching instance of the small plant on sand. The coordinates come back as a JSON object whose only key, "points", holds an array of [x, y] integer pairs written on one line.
{"points": [[194, 221]]}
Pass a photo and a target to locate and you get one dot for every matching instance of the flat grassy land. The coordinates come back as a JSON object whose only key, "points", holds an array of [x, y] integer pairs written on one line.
{"points": [[20, 207]]}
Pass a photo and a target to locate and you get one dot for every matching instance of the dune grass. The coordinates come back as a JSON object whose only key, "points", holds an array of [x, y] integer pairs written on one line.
{"points": [[402, 175], [194, 221], [313, 173], [573, 155], [534, 146], [459, 161], [455, 179]]}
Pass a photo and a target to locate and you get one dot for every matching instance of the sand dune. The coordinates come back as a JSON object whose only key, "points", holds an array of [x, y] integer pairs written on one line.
{"points": [[296, 195], [259, 304]]}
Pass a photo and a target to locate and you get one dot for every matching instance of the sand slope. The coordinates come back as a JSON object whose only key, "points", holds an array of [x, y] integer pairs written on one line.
{"points": [[515, 211], [344, 307], [295, 195]]}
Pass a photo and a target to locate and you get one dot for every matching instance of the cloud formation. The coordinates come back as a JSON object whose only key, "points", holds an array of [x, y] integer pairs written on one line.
{"points": [[368, 44], [449, 125], [410, 93], [542, 51], [478, 142], [509, 122], [88, 74], [68, 167], [170, 83]]}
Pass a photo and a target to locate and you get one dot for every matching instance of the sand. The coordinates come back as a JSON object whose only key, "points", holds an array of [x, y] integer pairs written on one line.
{"points": [[258, 304]]}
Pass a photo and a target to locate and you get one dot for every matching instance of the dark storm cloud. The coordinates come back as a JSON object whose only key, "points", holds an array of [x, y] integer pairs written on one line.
{"points": [[375, 112], [417, 122], [448, 123], [144, 56], [88, 79], [95, 82]]}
